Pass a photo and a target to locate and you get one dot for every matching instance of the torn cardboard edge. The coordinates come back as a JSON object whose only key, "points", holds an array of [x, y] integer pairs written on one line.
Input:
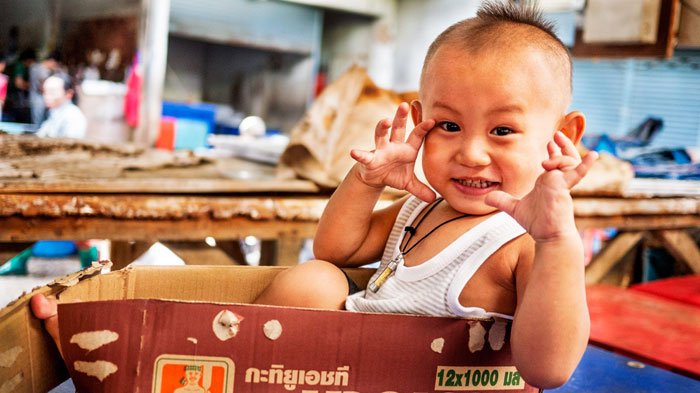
{"points": [[29, 360], [196, 290], [56, 286]]}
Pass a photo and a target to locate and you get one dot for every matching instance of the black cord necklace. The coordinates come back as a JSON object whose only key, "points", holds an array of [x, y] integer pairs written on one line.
{"points": [[404, 249]]}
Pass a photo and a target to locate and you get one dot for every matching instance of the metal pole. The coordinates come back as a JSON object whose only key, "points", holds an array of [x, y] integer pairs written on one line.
{"points": [[153, 47]]}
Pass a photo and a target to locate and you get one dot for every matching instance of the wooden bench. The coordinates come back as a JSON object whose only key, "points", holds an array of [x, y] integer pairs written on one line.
{"points": [[647, 327]]}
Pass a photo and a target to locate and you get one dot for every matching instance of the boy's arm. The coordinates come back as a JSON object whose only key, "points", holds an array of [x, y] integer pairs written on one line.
{"points": [[350, 232], [551, 323]]}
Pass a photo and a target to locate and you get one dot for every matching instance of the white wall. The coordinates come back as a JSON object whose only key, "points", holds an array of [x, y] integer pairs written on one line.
{"points": [[367, 41], [419, 22]]}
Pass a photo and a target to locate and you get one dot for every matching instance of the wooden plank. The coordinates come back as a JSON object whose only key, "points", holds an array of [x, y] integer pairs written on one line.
{"points": [[640, 223], [662, 48], [682, 247], [122, 253], [684, 289], [288, 249], [611, 255], [157, 186], [648, 187], [646, 326], [597, 207], [232, 248], [32, 229], [283, 251], [297, 208], [200, 253]]}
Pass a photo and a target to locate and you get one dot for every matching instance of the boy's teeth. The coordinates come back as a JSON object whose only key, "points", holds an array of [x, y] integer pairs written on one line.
{"points": [[474, 183]]}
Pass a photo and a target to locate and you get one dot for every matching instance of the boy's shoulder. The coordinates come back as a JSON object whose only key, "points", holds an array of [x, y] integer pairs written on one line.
{"points": [[518, 252]]}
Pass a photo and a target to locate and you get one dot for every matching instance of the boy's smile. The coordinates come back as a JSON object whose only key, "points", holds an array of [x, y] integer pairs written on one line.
{"points": [[494, 117]]}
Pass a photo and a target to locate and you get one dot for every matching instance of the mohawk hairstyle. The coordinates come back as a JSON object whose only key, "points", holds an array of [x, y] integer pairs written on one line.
{"points": [[516, 12], [493, 25]]}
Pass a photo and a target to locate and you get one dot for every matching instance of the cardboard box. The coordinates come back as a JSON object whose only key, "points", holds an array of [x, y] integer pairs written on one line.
{"points": [[158, 329]]}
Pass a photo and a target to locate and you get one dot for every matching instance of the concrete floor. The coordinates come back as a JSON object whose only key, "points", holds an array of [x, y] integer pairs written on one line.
{"points": [[40, 272]]}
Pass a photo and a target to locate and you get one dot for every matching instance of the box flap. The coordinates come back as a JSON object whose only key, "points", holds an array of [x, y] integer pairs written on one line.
{"points": [[29, 360]]}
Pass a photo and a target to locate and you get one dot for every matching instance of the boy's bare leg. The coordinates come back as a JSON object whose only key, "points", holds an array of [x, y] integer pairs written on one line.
{"points": [[313, 284], [46, 308]]}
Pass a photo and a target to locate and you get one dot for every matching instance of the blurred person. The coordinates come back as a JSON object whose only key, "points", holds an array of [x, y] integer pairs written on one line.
{"points": [[12, 44], [4, 80], [92, 71], [17, 107], [38, 72], [65, 119]]}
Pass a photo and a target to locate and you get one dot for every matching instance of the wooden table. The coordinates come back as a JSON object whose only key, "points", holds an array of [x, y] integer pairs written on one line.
{"points": [[647, 327], [237, 199]]}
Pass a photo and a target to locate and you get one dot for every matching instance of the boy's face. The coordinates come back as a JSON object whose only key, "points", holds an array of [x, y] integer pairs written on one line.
{"points": [[495, 112]]}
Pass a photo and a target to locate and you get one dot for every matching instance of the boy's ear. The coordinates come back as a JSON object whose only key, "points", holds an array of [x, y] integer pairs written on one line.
{"points": [[416, 112], [573, 125]]}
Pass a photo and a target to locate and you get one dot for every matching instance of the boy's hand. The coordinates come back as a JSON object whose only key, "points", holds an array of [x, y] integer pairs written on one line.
{"points": [[547, 212], [392, 162], [46, 309]]}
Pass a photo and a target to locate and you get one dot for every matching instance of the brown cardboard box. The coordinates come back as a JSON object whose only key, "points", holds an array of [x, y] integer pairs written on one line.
{"points": [[129, 338]]}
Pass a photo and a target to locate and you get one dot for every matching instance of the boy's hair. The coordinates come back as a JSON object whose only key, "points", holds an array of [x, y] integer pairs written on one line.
{"points": [[494, 24]]}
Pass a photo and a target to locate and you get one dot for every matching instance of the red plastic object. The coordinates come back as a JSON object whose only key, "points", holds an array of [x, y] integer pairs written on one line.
{"points": [[647, 327], [684, 289], [166, 137]]}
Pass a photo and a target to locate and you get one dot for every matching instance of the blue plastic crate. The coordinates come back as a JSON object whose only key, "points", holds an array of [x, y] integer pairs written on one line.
{"points": [[190, 134], [205, 113]]}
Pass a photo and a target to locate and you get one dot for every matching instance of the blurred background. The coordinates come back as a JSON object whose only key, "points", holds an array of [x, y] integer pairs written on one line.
{"points": [[270, 58], [173, 132]]}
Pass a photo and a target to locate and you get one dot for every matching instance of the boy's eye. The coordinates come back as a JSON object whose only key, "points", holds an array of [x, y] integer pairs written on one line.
{"points": [[449, 126], [501, 131]]}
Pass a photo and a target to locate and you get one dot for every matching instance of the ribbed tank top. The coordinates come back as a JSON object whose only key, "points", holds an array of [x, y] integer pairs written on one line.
{"points": [[434, 286]]}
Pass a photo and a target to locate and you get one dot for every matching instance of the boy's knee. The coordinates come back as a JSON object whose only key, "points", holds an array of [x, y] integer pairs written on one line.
{"points": [[315, 284]]}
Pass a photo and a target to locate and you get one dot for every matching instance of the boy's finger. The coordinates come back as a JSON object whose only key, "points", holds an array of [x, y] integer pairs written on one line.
{"points": [[563, 163], [415, 138], [420, 190], [575, 176], [553, 150], [46, 308], [380, 133], [361, 156], [398, 127], [567, 145], [502, 201], [43, 307]]}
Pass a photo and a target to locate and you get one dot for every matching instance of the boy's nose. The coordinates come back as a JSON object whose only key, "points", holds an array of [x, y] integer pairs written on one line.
{"points": [[473, 152]]}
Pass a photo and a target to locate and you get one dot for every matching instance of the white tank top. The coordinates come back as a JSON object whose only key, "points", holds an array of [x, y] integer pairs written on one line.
{"points": [[434, 286]]}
